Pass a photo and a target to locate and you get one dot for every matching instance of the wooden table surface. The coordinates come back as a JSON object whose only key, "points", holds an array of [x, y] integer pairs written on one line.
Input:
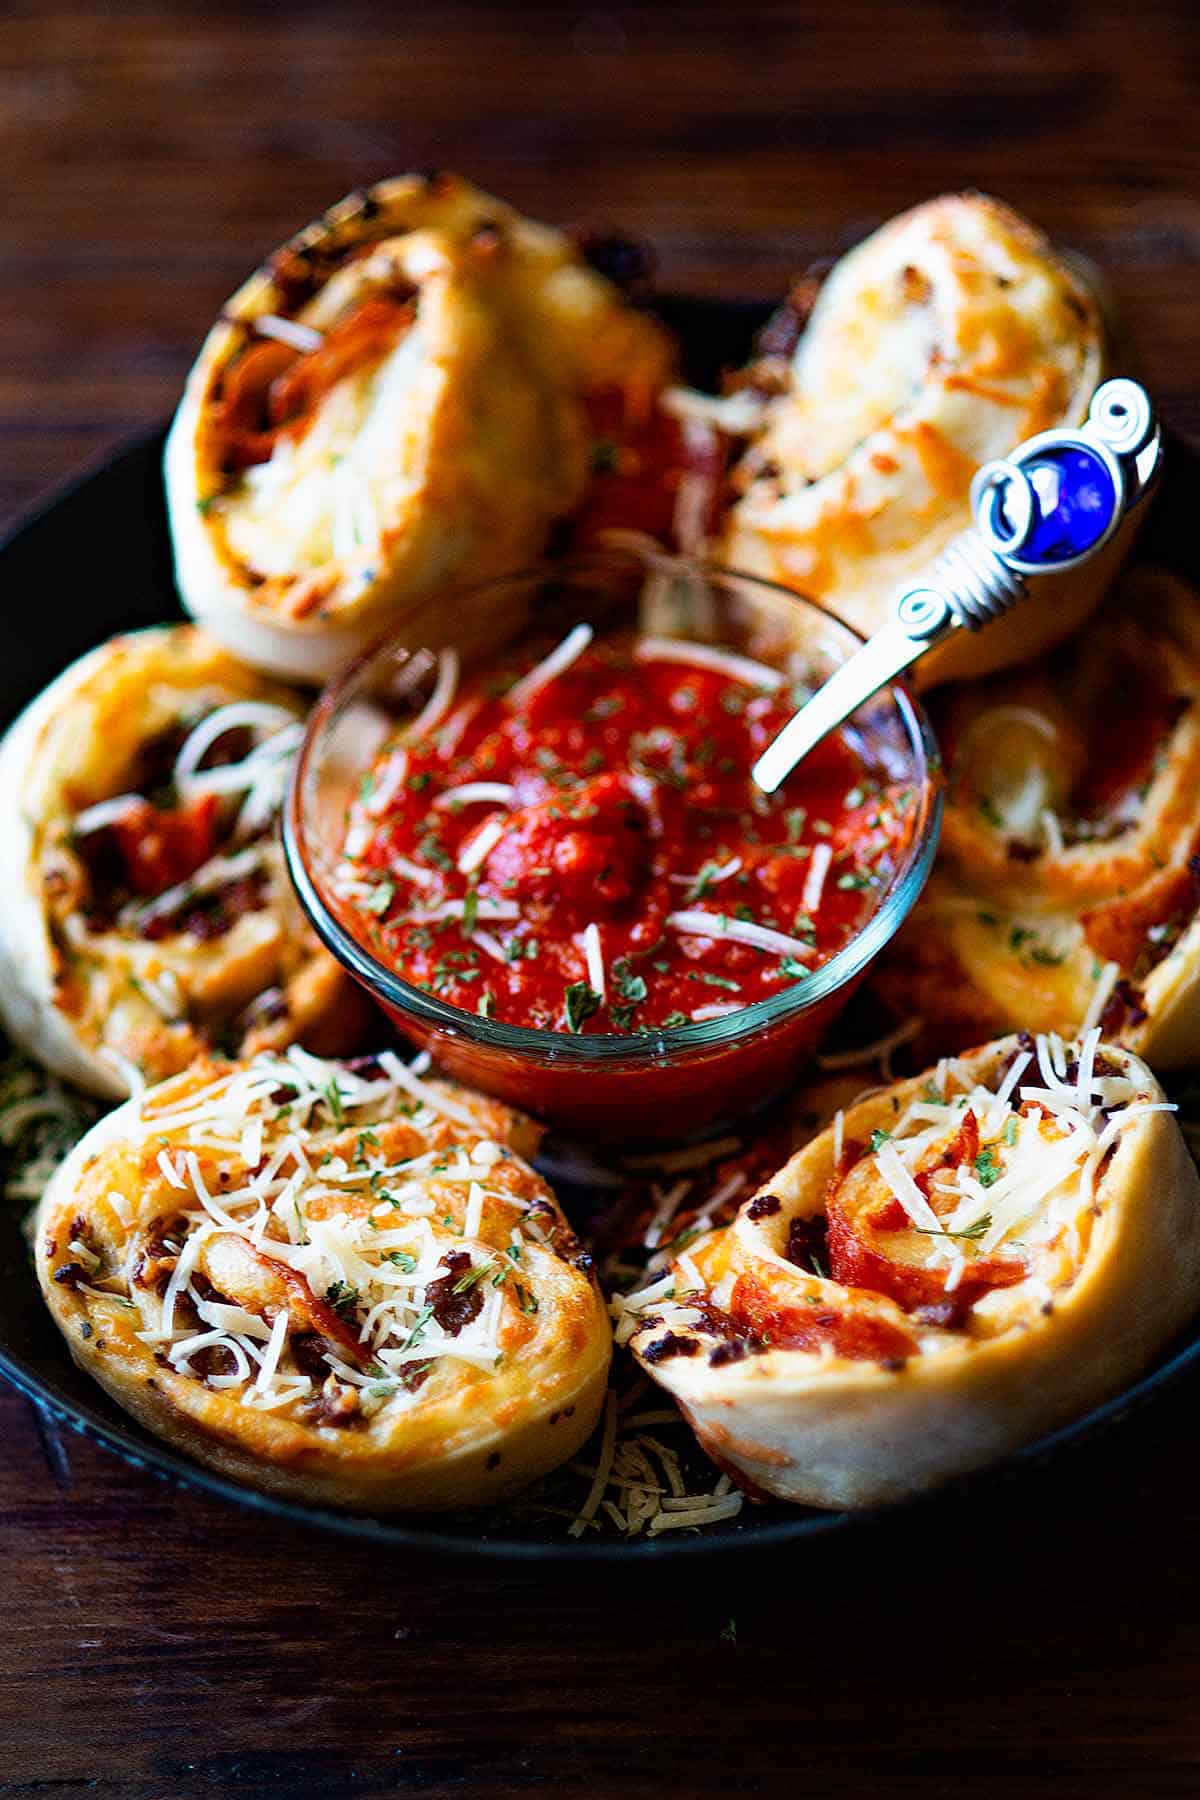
{"points": [[153, 1643]]}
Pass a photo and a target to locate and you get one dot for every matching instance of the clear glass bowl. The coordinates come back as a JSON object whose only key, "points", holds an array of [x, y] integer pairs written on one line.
{"points": [[668, 1085]]}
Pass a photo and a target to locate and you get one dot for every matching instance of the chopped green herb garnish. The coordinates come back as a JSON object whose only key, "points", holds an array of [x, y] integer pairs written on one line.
{"points": [[343, 1299], [978, 1229], [631, 987], [432, 851], [473, 1276], [419, 1323], [987, 1169], [703, 881], [380, 897], [579, 1002]]}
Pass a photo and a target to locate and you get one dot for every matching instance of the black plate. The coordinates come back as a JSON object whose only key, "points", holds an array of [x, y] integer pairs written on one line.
{"points": [[96, 559]]}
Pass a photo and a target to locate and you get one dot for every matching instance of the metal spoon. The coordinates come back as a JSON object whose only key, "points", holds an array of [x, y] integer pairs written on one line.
{"points": [[1049, 506]]}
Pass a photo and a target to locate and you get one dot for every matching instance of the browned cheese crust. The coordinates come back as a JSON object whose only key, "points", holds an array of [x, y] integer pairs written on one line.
{"points": [[1067, 882], [393, 407], [99, 976], [942, 1275], [328, 1283], [941, 342]]}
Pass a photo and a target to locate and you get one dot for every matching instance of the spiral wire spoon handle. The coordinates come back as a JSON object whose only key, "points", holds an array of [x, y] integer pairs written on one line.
{"points": [[1049, 506]]}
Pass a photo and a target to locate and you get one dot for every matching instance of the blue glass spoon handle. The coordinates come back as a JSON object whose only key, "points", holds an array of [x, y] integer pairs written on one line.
{"points": [[1049, 506]]}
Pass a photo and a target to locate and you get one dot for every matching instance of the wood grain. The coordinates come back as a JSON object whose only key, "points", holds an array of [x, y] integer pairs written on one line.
{"points": [[155, 1644], [152, 155]]}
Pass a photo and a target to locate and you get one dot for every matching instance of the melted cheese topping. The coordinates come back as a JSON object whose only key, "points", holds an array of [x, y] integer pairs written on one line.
{"points": [[143, 968], [1066, 889], [150, 912], [328, 494], [943, 340], [309, 503], [288, 1211], [1031, 1182], [1013, 1220]]}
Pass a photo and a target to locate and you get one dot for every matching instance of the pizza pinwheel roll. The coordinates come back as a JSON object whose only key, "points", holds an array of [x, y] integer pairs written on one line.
{"points": [[339, 1282], [147, 913], [397, 403], [960, 1263], [941, 342], [1067, 890]]}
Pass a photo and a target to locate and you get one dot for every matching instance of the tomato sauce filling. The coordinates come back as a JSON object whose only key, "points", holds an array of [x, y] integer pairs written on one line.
{"points": [[871, 1236], [617, 797], [1123, 737], [272, 390], [855, 1335], [864, 1242], [1134, 721], [641, 459], [160, 840]]}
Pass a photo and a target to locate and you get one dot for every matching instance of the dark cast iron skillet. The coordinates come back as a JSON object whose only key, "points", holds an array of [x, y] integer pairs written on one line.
{"points": [[95, 559]]}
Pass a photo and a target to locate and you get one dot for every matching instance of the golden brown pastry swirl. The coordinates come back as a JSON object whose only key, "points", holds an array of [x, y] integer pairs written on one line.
{"points": [[1067, 883], [959, 1263], [338, 1282]]}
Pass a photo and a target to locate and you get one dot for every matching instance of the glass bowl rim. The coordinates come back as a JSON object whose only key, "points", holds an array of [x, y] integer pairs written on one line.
{"points": [[534, 1043]]}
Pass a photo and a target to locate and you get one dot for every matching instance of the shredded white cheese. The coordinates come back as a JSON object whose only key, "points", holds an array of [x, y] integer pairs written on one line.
{"points": [[707, 656], [739, 931], [497, 911], [594, 957], [814, 881], [288, 331], [470, 793], [735, 414], [1102, 993], [479, 847], [905, 1188], [876, 1051], [559, 660], [440, 700]]}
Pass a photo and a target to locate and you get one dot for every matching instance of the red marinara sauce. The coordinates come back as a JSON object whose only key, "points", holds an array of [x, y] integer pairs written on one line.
{"points": [[587, 852]]}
